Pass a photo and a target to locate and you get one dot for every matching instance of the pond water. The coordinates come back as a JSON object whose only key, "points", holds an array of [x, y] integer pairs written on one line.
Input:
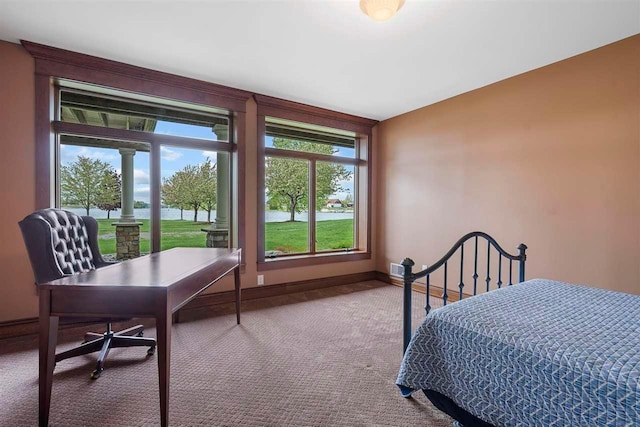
{"points": [[172, 213]]}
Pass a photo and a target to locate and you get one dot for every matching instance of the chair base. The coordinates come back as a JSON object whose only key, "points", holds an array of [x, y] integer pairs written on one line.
{"points": [[104, 342]]}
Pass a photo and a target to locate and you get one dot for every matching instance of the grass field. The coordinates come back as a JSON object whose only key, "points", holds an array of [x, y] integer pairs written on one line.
{"points": [[291, 237], [280, 236], [174, 233]]}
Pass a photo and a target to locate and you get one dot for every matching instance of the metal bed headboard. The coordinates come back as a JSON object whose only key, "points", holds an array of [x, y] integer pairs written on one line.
{"points": [[409, 277]]}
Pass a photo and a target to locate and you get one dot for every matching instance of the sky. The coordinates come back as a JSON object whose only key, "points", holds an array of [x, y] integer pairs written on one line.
{"points": [[173, 158]]}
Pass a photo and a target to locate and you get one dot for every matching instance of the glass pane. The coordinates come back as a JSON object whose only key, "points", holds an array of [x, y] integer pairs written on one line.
{"points": [[286, 212], [309, 147], [90, 183], [296, 136], [335, 206], [117, 113], [194, 208]]}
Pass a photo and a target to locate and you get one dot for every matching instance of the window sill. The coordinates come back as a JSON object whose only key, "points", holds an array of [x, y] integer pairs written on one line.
{"points": [[309, 260]]}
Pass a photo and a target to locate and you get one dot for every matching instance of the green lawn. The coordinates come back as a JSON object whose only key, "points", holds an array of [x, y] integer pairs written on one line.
{"points": [[282, 236], [173, 233], [291, 237], [334, 234]]}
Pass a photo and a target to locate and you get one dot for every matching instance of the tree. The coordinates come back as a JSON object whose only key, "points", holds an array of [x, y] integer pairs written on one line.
{"points": [[81, 182], [347, 201], [192, 188], [286, 180], [209, 192], [173, 193], [110, 197], [187, 189], [286, 183]]}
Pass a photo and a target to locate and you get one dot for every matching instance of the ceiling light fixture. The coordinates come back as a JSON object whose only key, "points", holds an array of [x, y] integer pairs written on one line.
{"points": [[380, 10]]}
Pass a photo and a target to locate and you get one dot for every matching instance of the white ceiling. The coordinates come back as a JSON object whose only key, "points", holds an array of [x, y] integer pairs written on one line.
{"points": [[328, 53]]}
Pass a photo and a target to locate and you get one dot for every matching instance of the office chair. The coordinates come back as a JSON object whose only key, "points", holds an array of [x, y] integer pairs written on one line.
{"points": [[61, 243]]}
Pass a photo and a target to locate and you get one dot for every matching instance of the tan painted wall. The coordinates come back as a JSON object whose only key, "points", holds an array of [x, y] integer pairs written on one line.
{"points": [[17, 178], [18, 299], [550, 158]]}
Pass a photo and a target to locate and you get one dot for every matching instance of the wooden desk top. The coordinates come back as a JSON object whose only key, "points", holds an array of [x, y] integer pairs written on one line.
{"points": [[157, 270], [155, 285]]}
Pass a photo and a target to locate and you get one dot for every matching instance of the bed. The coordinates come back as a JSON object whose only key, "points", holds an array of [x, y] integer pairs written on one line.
{"points": [[539, 353]]}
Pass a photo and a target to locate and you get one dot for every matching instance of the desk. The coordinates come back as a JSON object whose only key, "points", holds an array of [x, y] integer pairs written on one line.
{"points": [[156, 286]]}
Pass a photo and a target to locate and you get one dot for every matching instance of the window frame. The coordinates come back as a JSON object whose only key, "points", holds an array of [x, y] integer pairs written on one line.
{"points": [[154, 141], [288, 110], [53, 64]]}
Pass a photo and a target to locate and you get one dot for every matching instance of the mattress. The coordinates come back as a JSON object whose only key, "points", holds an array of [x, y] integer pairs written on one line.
{"points": [[540, 353]]}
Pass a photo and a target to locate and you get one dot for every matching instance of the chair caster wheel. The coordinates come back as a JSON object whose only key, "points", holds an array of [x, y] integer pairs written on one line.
{"points": [[96, 374], [151, 351], [140, 334]]}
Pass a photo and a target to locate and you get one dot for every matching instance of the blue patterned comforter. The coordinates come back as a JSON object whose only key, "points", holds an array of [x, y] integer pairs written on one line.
{"points": [[540, 353]]}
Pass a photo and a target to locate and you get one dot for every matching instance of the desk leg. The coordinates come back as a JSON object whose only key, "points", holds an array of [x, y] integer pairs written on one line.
{"points": [[163, 326], [236, 277], [48, 339]]}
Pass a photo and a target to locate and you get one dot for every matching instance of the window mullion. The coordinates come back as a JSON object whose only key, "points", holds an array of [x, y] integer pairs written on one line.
{"points": [[279, 152], [356, 194], [155, 196], [138, 136], [311, 206]]}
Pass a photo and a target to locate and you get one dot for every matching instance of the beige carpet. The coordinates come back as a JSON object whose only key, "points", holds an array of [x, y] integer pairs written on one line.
{"points": [[320, 358]]}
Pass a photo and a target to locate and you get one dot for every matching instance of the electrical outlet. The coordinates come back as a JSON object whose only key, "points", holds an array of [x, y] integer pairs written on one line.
{"points": [[423, 280], [260, 279]]}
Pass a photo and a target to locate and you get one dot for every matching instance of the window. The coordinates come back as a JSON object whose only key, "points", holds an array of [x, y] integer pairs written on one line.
{"points": [[146, 114], [90, 183], [192, 199], [106, 140], [111, 92], [313, 184], [308, 172]]}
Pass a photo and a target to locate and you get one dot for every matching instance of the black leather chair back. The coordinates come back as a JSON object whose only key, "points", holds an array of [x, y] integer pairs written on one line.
{"points": [[60, 243]]}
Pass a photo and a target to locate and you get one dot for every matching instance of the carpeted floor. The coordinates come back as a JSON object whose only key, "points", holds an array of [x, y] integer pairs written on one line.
{"points": [[320, 358]]}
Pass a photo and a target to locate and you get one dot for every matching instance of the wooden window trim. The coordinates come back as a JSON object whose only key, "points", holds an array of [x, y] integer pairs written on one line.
{"points": [[314, 259], [61, 63], [288, 110], [53, 63]]}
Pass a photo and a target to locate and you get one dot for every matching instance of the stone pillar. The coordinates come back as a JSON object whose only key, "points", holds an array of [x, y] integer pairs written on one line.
{"points": [[127, 229], [222, 189], [217, 238], [218, 235], [126, 213], [127, 240]]}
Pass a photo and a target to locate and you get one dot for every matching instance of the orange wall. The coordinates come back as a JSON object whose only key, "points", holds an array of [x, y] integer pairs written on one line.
{"points": [[550, 158], [17, 173]]}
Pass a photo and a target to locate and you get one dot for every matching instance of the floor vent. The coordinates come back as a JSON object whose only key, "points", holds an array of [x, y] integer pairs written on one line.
{"points": [[396, 270]]}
